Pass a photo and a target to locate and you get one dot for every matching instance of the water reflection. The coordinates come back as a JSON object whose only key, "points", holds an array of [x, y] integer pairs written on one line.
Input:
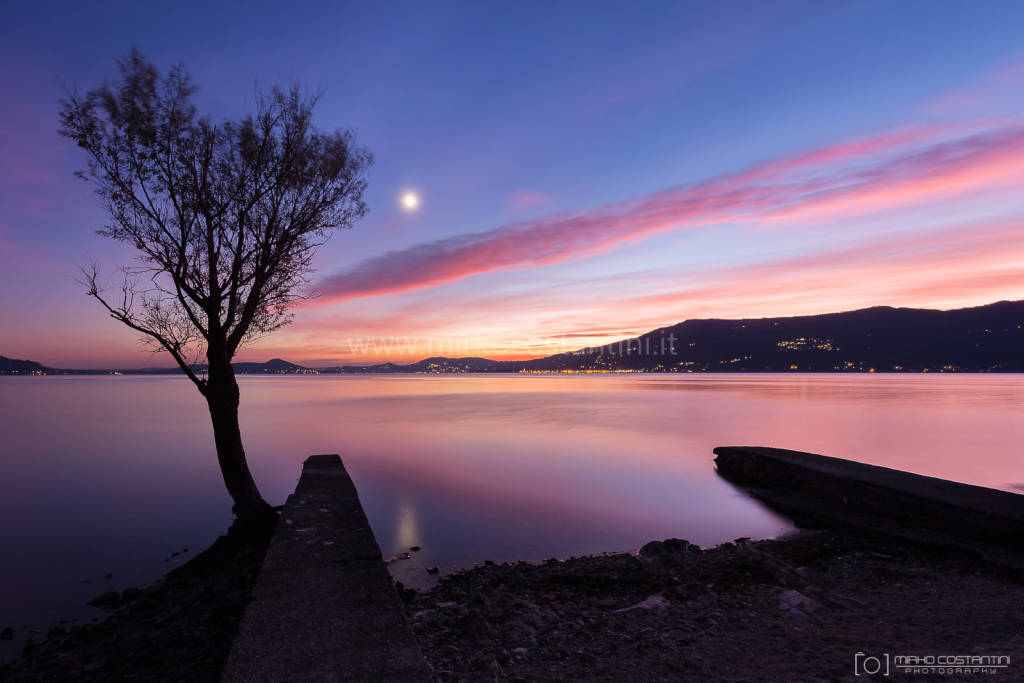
{"points": [[407, 528], [113, 474]]}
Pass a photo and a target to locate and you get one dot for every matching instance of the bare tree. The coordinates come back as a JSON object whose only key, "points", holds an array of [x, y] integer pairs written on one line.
{"points": [[226, 219]]}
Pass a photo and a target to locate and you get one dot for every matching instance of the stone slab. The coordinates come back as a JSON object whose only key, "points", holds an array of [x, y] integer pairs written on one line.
{"points": [[324, 607], [847, 493]]}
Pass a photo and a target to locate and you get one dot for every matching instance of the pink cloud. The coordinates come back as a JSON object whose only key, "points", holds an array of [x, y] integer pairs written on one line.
{"points": [[852, 178], [963, 265]]}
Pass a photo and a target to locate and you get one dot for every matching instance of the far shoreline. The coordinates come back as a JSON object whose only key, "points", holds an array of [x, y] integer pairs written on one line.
{"points": [[709, 373]]}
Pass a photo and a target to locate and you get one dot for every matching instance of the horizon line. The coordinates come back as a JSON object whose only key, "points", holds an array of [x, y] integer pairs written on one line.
{"points": [[513, 360]]}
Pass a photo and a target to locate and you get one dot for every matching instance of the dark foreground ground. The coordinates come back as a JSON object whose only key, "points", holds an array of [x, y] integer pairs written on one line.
{"points": [[791, 610], [179, 629], [796, 609]]}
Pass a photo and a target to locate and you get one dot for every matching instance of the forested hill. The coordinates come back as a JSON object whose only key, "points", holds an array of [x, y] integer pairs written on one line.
{"points": [[982, 339], [12, 366], [880, 339]]}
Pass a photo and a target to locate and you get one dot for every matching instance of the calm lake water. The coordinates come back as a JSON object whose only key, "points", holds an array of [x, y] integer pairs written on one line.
{"points": [[114, 474]]}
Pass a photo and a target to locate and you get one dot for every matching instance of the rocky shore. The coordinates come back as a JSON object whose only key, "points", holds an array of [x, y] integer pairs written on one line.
{"points": [[179, 629], [792, 609], [798, 608]]}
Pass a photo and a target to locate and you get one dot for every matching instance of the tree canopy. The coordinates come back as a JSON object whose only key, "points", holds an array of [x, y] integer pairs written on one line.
{"points": [[226, 217]]}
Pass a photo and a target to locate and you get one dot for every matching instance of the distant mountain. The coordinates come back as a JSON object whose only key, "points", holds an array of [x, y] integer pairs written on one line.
{"points": [[271, 367], [881, 339], [275, 366], [12, 366]]}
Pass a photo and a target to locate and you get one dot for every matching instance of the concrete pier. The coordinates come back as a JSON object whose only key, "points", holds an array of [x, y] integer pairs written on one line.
{"points": [[817, 489], [324, 607]]}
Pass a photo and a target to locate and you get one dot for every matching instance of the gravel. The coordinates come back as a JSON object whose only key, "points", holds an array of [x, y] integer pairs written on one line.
{"points": [[798, 608], [793, 609]]}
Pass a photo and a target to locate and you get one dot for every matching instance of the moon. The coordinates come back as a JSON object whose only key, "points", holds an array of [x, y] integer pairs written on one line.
{"points": [[410, 201]]}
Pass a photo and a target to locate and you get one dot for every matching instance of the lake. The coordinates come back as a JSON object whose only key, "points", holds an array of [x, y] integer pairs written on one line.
{"points": [[115, 474]]}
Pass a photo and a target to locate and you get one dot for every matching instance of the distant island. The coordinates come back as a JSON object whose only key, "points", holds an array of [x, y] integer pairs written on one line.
{"points": [[10, 366], [881, 339]]}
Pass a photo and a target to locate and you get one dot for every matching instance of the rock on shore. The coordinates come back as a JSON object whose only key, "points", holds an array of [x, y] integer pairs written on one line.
{"points": [[793, 609]]}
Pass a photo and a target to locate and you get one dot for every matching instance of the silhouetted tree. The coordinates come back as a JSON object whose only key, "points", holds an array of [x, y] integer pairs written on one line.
{"points": [[226, 219]]}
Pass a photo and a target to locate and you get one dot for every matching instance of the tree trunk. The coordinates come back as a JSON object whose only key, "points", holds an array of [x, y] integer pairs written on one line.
{"points": [[222, 398]]}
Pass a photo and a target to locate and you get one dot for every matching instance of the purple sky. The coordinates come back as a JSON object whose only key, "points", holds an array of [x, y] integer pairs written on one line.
{"points": [[587, 171]]}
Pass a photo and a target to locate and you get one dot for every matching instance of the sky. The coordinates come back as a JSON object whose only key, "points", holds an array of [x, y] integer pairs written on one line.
{"points": [[586, 171]]}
